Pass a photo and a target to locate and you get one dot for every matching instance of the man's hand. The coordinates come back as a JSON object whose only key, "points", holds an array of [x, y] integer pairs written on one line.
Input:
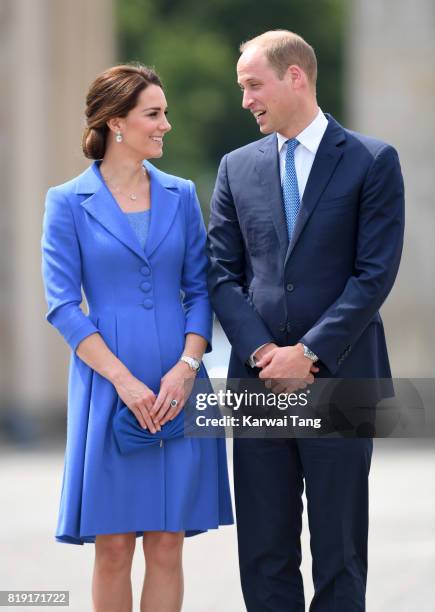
{"points": [[264, 350], [289, 365]]}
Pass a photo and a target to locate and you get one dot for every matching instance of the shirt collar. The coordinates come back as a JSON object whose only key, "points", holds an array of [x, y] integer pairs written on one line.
{"points": [[311, 136]]}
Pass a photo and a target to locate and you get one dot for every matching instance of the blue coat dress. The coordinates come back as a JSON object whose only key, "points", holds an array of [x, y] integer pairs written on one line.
{"points": [[142, 302]]}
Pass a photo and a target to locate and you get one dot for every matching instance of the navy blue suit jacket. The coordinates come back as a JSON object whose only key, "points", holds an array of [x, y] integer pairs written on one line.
{"points": [[325, 288]]}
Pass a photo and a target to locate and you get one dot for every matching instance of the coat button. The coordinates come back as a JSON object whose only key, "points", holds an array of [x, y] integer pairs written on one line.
{"points": [[145, 270], [290, 287], [288, 327], [281, 328], [148, 304], [145, 286]]}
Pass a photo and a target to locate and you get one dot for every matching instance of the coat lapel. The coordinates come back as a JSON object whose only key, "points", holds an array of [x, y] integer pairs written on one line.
{"points": [[104, 208], [325, 162], [165, 199], [267, 165]]}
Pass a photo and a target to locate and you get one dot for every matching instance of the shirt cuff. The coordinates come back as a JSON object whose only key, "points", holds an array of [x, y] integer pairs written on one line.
{"points": [[252, 361]]}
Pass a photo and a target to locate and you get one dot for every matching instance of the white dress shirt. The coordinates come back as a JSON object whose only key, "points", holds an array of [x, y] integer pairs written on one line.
{"points": [[309, 141]]}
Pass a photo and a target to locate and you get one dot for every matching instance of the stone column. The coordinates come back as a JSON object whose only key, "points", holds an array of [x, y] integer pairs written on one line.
{"points": [[390, 94], [53, 50]]}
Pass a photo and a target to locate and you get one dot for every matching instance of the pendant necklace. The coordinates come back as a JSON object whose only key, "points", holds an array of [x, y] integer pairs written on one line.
{"points": [[132, 196]]}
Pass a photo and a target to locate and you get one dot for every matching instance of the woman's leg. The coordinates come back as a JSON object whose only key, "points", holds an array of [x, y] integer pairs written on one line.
{"points": [[163, 584], [111, 584]]}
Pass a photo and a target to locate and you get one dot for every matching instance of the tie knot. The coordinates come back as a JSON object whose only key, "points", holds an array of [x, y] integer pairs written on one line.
{"points": [[292, 143]]}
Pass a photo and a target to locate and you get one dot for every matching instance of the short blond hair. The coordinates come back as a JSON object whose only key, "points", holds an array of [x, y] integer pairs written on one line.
{"points": [[284, 48]]}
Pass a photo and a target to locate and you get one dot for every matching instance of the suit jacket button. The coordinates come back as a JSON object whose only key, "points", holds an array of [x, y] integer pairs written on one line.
{"points": [[282, 328], [145, 270], [145, 286], [290, 287], [148, 304]]}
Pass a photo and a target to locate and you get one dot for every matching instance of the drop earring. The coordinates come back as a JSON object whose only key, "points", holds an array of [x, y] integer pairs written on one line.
{"points": [[118, 137]]}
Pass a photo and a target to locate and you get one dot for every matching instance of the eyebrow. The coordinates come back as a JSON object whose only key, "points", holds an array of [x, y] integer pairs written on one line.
{"points": [[154, 108], [249, 80]]}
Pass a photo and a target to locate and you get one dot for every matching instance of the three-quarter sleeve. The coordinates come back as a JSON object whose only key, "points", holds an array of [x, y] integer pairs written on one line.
{"points": [[61, 271], [199, 315]]}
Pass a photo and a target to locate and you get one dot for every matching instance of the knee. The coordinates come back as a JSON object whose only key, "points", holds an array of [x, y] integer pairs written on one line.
{"points": [[115, 552], [163, 550]]}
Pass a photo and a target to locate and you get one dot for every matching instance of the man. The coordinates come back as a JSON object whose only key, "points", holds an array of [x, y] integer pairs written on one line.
{"points": [[306, 233]]}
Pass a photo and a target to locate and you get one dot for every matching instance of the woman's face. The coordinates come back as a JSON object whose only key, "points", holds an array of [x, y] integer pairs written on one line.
{"points": [[145, 125]]}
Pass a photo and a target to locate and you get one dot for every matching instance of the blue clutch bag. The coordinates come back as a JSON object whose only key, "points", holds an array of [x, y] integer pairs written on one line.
{"points": [[131, 437]]}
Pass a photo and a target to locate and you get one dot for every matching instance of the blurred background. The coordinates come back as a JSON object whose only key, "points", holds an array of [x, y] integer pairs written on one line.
{"points": [[376, 75]]}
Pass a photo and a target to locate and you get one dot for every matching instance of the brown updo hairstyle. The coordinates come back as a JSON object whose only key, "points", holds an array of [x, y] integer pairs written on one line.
{"points": [[113, 94]]}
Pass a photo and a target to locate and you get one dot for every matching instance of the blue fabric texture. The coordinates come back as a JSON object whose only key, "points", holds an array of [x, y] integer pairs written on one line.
{"points": [[140, 223], [142, 302]]}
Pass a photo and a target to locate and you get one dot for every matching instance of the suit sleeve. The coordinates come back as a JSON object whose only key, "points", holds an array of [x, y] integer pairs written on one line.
{"points": [[244, 328], [377, 258], [61, 271], [196, 302]]}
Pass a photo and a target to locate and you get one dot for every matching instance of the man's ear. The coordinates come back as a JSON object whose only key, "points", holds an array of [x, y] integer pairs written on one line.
{"points": [[296, 76]]}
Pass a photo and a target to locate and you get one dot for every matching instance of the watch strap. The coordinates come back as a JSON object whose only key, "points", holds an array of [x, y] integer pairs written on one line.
{"points": [[310, 354]]}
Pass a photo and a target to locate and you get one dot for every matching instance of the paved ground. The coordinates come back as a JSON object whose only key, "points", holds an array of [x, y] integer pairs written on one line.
{"points": [[402, 537]]}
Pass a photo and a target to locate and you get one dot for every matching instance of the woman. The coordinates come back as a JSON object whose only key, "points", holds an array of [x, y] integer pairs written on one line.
{"points": [[132, 237]]}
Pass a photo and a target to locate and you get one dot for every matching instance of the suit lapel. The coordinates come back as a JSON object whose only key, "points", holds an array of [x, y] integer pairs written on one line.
{"points": [[267, 165], [325, 162], [104, 208]]}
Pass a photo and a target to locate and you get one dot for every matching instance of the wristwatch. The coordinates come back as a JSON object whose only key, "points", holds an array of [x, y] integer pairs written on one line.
{"points": [[192, 362], [309, 353]]}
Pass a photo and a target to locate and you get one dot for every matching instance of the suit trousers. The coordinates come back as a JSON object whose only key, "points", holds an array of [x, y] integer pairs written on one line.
{"points": [[269, 476]]}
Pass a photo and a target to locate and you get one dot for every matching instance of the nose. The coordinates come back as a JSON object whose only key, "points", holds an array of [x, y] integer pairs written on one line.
{"points": [[247, 100], [166, 126]]}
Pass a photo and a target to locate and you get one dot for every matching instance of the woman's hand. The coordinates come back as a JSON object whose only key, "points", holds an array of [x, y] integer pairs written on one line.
{"points": [[175, 385], [134, 393], [139, 399]]}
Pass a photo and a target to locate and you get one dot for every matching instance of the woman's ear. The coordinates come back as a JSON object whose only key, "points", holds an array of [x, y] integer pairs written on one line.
{"points": [[114, 124]]}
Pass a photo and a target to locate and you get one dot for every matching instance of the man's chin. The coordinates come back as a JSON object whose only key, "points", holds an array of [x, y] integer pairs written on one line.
{"points": [[265, 129]]}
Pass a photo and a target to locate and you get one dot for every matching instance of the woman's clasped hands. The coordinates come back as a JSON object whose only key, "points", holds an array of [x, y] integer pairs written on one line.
{"points": [[152, 411]]}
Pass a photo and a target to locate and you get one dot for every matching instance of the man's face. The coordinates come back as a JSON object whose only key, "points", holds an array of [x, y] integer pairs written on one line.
{"points": [[270, 99]]}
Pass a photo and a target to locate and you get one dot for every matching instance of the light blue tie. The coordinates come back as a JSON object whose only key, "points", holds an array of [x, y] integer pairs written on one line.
{"points": [[290, 188]]}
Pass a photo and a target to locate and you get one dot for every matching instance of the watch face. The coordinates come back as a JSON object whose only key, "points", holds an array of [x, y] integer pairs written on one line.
{"points": [[193, 363]]}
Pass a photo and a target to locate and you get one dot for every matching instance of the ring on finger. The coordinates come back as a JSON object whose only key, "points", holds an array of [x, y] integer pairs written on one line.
{"points": [[173, 403]]}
